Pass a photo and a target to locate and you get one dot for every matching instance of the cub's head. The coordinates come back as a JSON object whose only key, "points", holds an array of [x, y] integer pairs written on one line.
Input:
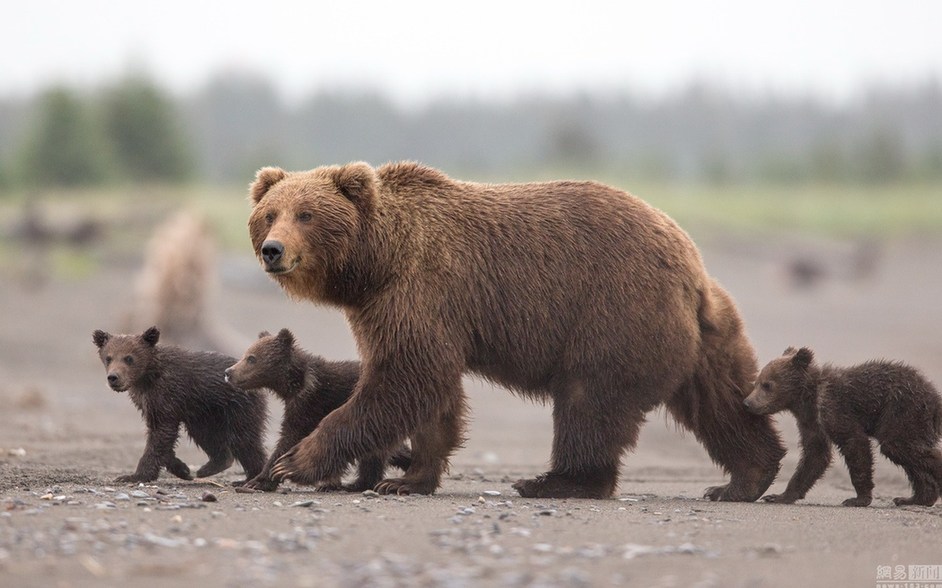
{"points": [[265, 363], [305, 224], [126, 358], [781, 382]]}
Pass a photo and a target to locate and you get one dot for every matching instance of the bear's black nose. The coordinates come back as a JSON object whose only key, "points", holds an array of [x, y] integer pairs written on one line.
{"points": [[112, 378], [272, 252]]}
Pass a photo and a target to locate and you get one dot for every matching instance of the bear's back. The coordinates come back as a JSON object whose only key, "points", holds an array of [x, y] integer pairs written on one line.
{"points": [[878, 393]]}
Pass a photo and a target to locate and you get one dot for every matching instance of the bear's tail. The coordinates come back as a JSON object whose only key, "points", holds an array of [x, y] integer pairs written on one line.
{"points": [[710, 403]]}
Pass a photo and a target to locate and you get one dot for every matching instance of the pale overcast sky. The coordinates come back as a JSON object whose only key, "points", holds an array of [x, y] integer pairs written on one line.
{"points": [[415, 50]]}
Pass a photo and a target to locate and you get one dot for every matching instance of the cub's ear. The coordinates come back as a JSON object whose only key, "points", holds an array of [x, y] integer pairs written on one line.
{"points": [[151, 336], [100, 338], [264, 334], [357, 182], [803, 357], [789, 351], [286, 337], [265, 178]]}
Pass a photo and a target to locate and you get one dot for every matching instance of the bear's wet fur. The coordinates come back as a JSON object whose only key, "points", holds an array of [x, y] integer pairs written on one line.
{"points": [[171, 386], [887, 400], [571, 292], [311, 388]]}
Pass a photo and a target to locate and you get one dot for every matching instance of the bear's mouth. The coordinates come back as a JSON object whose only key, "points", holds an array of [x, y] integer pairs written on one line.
{"points": [[281, 271]]}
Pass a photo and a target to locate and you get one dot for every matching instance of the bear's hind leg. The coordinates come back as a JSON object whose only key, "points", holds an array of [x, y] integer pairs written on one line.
{"points": [[219, 460], [252, 457], [743, 444], [920, 464]]}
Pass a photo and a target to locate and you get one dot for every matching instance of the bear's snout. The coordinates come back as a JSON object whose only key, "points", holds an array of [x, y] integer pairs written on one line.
{"points": [[272, 252], [228, 374], [114, 381]]}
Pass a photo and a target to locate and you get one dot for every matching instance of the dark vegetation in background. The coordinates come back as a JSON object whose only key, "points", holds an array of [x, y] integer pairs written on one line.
{"points": [[133, 130]]}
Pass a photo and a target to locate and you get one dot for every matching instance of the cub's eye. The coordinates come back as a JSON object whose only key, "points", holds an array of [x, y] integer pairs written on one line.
{"points": [[766, 386], [128, 360], [250, 360], [270, 217], [305, 217], [107, 360]]}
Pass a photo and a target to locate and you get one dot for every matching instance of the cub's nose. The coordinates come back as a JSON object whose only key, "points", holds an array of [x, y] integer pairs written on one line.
{"points": [[272, 251], [112, 378]]}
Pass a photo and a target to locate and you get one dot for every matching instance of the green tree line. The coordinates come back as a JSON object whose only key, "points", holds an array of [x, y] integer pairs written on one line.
{"points": [[132, 130]]}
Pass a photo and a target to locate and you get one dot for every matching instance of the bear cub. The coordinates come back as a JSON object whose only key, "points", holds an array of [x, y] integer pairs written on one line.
{"points": [[171, 385], [889, 401], [311, 387]]}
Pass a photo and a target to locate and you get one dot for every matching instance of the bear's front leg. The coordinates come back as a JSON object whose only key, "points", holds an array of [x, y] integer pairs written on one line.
{"points": [[161, 438], [432, 445], [858, 455], [389, 404], [815, 459]]}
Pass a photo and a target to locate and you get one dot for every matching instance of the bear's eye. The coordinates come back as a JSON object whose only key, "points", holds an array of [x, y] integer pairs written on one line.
{"points": [[107, 359], [250, 360], [305, 217], [128, 360], [766, 386], [270, 217]]}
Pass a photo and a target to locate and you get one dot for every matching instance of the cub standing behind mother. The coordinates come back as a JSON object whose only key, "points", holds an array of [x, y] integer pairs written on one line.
{"points": [[572, 292]]}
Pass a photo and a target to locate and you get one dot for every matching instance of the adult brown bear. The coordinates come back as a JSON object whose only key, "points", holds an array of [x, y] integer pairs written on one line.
{"points": [[570, 291]]}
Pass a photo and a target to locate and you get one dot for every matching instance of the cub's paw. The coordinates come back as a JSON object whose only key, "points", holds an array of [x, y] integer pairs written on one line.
{"points": [[134, 479], [858, 501], [780, 498], [179, 469], [913, 500]]}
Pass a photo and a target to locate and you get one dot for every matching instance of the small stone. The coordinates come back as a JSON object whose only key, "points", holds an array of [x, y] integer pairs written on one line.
{"points": [[277, 503], [18, 452], [370, 494], [122, 497], [244, 490], [141, 494], [304, 503], [491, 493], [107, 489], [176, 519], [46, 497], [209, 497]]}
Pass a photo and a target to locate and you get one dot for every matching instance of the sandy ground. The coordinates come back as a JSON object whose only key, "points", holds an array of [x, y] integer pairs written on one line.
{"points": [[64, 436]]}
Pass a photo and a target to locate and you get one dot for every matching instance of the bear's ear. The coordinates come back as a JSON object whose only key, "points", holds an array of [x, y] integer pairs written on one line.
{"points": [[789, 351], [265, 178], [100, 338], [264, 334], [151, 336], [803, 357], [286, 337], [357, 183]]}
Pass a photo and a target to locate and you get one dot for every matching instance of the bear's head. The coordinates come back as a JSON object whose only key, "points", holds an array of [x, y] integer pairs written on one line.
{"points": [[127, 358], [304, 226], [782, 382], [265, 363]]}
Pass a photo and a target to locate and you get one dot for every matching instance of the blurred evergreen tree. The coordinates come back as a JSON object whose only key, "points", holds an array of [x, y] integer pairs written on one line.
{"points": [[146, 132], [64, 147]]}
